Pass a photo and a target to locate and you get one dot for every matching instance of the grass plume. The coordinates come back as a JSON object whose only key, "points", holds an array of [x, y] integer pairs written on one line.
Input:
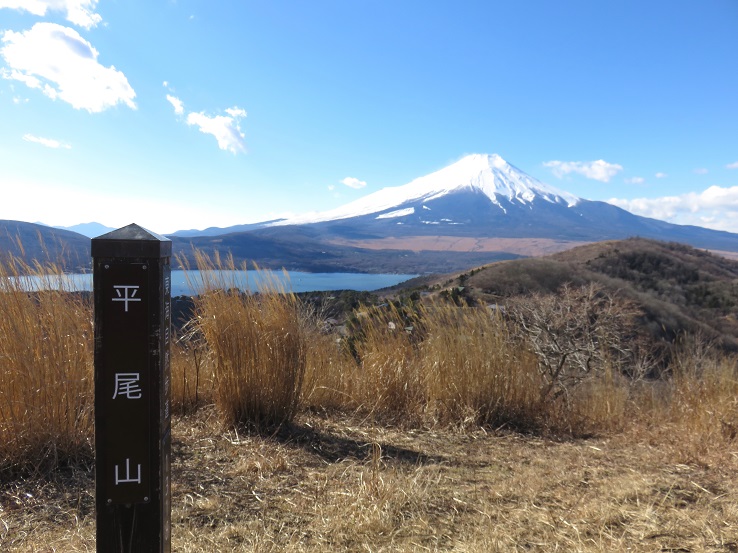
{"points": [[256, 343], [46, 388]]}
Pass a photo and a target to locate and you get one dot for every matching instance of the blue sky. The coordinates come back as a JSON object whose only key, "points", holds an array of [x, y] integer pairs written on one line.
{"points": [[189, 114]]}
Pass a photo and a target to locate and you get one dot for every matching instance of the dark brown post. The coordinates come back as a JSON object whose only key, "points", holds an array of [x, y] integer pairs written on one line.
{"points": [[132, 289]]}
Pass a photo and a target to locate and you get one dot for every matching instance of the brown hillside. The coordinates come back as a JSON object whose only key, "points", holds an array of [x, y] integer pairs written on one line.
{"points": [[679, 288], [518, 246]]}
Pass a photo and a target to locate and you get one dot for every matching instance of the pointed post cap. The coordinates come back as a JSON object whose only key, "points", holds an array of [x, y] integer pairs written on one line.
{"points": [[132, 241]]}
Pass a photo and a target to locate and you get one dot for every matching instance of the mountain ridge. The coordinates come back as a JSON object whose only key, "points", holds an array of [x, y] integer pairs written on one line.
{"points": [[475, 211], [90, 230]]}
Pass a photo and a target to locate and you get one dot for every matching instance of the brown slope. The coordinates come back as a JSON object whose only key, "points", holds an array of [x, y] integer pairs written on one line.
{"points": [[679, 288], [528, 247]]}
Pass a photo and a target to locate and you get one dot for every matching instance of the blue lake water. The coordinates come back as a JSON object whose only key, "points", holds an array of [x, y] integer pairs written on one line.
{"points": [[294, 281], [245, 280]]}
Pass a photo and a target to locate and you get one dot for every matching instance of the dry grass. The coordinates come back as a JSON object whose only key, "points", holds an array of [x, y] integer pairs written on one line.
{"points": [[193, 377], [529, 247], [698, 409], [46, 388], [380, 371], [340, 484], [401, 438], [474, 370], [256, 344], [425, 365]]}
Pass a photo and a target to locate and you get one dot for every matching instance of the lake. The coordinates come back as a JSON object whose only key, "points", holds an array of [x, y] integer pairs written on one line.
{"points": [[246, 280]]}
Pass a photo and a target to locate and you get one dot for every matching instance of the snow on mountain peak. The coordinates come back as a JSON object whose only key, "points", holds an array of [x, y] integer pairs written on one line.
{"points": [[494, 176], [487, 173]]}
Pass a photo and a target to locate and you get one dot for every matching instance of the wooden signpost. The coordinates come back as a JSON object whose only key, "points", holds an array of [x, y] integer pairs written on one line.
{"points": [[132, 290]]}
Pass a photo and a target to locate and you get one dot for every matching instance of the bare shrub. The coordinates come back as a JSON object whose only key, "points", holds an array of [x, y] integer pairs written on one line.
{"points": [[576, 334]]}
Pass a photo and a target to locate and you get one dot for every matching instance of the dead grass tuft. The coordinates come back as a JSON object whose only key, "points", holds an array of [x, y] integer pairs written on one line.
{"points": [[257, 344], [46, 343]]}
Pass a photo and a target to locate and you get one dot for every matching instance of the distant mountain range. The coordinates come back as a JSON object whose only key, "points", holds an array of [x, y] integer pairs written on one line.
{"points": [[217, 231], [30, 242], [90, 230], [475, 211]]}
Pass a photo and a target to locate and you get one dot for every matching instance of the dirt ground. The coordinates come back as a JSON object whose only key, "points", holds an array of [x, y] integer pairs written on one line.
{"points": [[337, 483]]}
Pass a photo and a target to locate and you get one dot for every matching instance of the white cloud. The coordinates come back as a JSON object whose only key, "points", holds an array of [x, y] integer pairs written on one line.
{"points": [[661, 175], [352, 182], [176, 103], [597, 170], [715, 207], [701, 171], [635, 180], [236, 112], [225, 129], [79, 12], [733, 165], [60, 63], [48, 142]]}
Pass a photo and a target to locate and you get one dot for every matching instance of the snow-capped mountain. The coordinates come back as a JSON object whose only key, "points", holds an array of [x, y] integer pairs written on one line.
{"points": [[475, 211], [486, 174], [482, 197]]}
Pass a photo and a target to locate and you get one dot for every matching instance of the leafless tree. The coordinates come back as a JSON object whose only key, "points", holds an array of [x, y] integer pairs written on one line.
{"points": [[575, 334]]}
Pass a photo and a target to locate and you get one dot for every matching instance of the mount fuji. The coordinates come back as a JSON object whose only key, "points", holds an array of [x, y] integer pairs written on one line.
{"points": [[478, 210], [488, 177], [483, 196], [475, 211]]}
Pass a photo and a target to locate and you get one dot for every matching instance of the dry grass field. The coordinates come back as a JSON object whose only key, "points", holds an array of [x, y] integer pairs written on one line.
{"points": [[518, 246], [339, 483], [421, 427]]}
